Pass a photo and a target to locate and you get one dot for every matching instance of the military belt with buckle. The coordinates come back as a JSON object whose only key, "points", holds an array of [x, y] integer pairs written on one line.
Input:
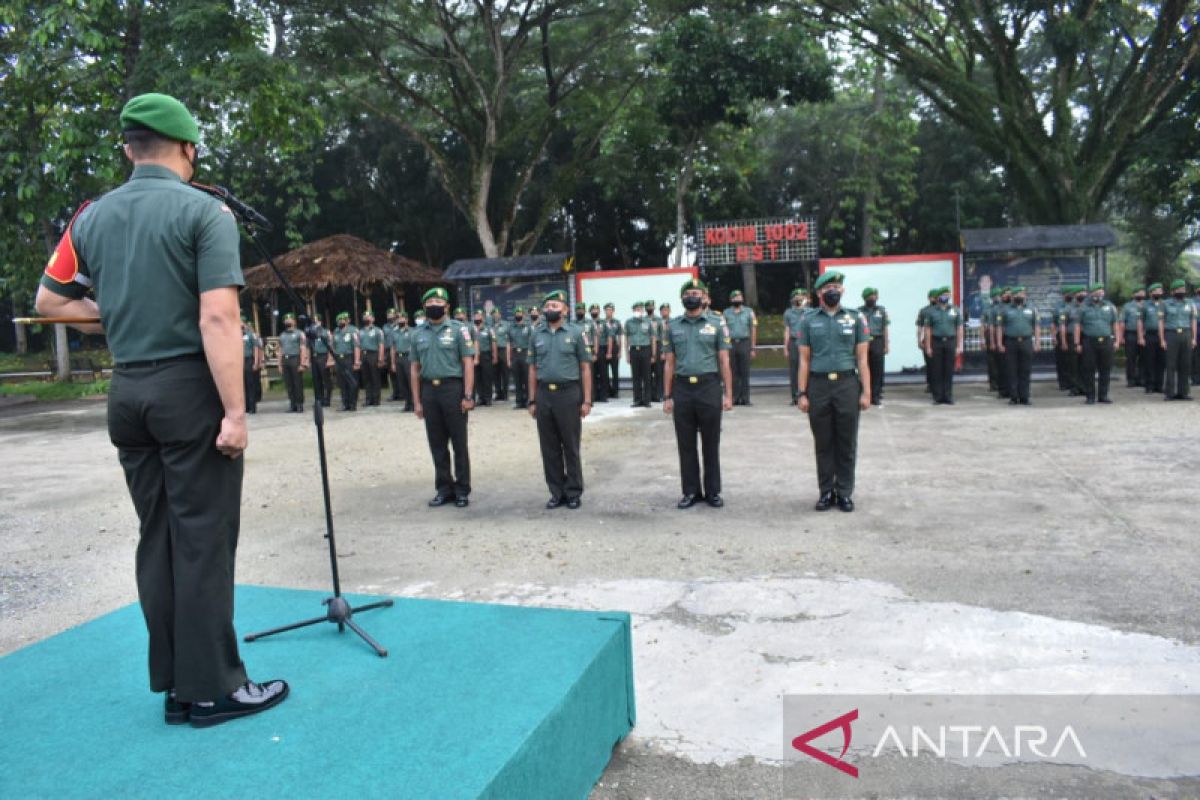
{"points": [[436, 381], [693, 378], [1179, 330]]}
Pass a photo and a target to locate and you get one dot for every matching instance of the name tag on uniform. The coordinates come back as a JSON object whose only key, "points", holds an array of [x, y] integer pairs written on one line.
{"points": [[346, 338], [708, 330]]}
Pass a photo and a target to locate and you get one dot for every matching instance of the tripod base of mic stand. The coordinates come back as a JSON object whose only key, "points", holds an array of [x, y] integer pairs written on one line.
{"points": [[337, 611]]}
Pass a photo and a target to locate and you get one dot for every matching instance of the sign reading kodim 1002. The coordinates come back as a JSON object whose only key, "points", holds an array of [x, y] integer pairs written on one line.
{"points": [[755, 241]]}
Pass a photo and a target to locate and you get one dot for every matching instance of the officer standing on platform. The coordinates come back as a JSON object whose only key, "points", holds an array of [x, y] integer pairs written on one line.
{"points": [[615, 331], [560, 369], [1095, 337], [798, 307], [500, 329], [1177, 332], [162, 260], [443, 366], [743, 332], [603, 345], [370, 341], [921, 314], [1017, 333], [322, 380], [485, 360], [252, 353], [516, 353], [696, 368], [641, 348], [835, 387], [347, 358], [1152, 345], [880, 325], [1131, 318], [943, 344], [293, 362], [401, 346]]}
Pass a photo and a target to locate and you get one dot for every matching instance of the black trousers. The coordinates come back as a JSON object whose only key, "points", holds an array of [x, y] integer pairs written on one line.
{"points": [[501, 377], [1177, 380], [559, 430], [1018, 355], [639, 364], [1154, 364], [446, 425], [293, 380], [614, 370], [520, 377], [739, 361], [1060, 368], [403, 381], [1097, 366], [997, 364], [600, 377], [322, 379], [793, 354], [370, 376], [989, 355], [1073, 367], [941, 365], [656, 377], [875, 364], [697, 411], [249, 376], [833, 418], [164, 422], [483, 379], [347, 382], [395, 378], [1134, 354]]}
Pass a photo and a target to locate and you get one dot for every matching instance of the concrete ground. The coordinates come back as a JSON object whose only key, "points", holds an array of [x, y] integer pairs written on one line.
{"points": [[994, 549]]}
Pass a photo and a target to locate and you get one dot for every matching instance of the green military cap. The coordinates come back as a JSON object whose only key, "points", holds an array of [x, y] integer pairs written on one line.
{"points": [[945, 290], [736, 293], [636, 306], [369, 313], [420, 312], [650, 303], [580, 307], [1178, 283], [610, 305], [1068, 290], [798, 293], [436, 293], [664, 305], [519, 310], [478, 312], [1154, 286], [557, 294], [162, 114], [344, 315], [932, 293], [694, 283], [495, 310], [995, 292], [1097, 286], [1137, 289], [459, 310], [870, 290], [288, 316], [1019, 289], [595, 306], [391, 312], [829, 277]]}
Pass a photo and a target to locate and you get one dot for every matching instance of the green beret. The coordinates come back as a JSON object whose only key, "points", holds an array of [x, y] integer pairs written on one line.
{"points": [[345, 315], [694, 283], [595, 306], [1137, 289], [478, 312], [420, 313], [519, 310], [162, 114], [945, 290], [369, 313], [636, 306], [391, 312], [932, 293], [1178, 283], [557, 294], [736, 293], [610, 305], [581, 307], [1068, 290], [1154, 286], [666, 306], [288, 316], [829, 277], [995, 292], [867, 292], [1005, 290], [1018, 289], [459, 310], [436, 293], [798, 293], [1097, 286], [650, 303]]}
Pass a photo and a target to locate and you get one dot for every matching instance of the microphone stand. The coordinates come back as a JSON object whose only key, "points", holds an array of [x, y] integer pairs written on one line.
{"points": [[337, 609]]}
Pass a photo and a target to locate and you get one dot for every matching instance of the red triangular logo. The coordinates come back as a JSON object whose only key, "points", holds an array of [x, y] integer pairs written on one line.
{"points": [[801, 743]]}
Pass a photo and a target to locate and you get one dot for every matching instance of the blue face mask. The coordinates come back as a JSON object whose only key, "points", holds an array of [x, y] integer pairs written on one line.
{"points": [[944, 298]]}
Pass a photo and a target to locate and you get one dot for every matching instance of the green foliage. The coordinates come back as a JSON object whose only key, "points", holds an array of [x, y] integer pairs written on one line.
{"points": [[55, 390]]}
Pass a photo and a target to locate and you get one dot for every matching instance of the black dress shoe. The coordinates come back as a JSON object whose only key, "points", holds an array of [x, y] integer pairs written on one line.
{"points": [[554, 502], [175, 712], [1091, 401], [687, 501], [1012, 401], [825, 502], [1104, 400], [947, 402], [250, 698], [461, 502], [715, 500], [440, 500], [845, 503], [574, 503]]}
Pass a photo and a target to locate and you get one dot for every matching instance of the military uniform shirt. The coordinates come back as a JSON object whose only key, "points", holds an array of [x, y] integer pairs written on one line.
{"points": [[1150, 313], [877, 319], [500, 332], [637, 332], [944, 321], [1131, 312], [149, 248], [1018, 320], [345, 340], [484, 336], [1097, 319], [402, 340], [518, 335], [320, 344], [370, 339], [922, 314], [1178, 315], [791, 319], [440, 348], [557, 354], [615, 329], [290, 342], [832, 338], [603, 335], [740, 322], [249, 340], [696, 341]]}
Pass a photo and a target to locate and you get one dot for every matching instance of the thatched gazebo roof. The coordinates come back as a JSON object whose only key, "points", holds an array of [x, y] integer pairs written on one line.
{"points": [[338, 261]]}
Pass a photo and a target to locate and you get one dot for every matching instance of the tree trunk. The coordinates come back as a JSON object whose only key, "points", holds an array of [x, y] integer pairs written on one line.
{"points": [[750, 282], [62, 353], [20, 332], [867, 242], [686, 170]]}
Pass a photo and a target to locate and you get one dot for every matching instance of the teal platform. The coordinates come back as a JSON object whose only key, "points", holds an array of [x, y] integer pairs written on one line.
{"points": [[473, 701]]}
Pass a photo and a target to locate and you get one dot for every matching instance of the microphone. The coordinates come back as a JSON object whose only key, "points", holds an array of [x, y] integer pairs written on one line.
{"points": [[247, 214]]}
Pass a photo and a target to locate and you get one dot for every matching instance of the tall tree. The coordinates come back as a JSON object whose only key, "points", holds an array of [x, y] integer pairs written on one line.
{"points": [[1061, 94]]}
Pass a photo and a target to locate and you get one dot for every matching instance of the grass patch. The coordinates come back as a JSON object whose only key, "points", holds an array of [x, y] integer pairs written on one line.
{"points": [[54, 390], [35, 362]]}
